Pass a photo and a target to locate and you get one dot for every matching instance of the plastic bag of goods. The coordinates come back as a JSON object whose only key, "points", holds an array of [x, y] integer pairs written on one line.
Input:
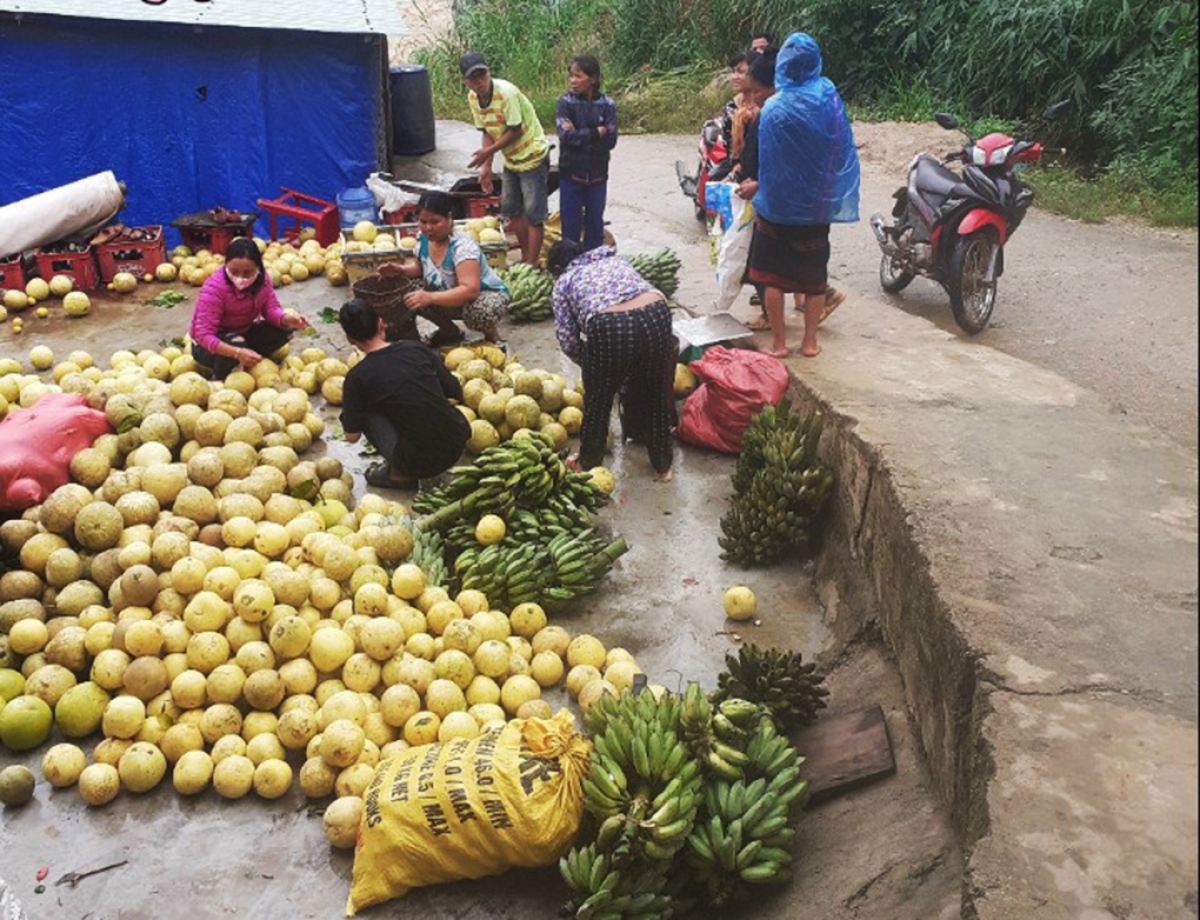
{"points": [[469, 808], [37, 444], [735, 384]]}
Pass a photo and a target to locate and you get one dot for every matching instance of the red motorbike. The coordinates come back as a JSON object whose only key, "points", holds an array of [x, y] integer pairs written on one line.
{"points": [[714, 165], [952, 228]]}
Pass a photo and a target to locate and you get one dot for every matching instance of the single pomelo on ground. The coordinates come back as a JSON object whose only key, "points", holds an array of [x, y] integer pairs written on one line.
{"points": [[740, 603], [16, 785]]}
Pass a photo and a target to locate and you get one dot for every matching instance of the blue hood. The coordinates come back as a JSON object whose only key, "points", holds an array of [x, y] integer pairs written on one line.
{"points": [[808, 168], [798, 62]]}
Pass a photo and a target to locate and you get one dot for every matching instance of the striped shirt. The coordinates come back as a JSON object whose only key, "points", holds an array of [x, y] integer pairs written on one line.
{"points": [[509, 108]]}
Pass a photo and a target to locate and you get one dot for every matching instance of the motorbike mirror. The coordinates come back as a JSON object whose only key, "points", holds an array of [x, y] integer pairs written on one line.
{"points": [[1056, 110], [946, 120]]}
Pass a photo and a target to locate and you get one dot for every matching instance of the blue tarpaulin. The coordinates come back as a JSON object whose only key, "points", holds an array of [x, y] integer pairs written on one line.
{"points": [[187, 118]]}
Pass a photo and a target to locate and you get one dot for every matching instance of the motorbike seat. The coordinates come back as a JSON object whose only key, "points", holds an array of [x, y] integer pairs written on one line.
{"points": [[935, 182]]}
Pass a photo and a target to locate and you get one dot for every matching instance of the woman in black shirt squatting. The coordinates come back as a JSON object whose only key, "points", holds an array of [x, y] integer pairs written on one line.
{"points": [[399, 396]]}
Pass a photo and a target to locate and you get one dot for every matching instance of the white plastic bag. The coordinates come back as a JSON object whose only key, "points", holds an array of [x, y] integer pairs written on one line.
{"points": [[387, 196], [10, 907], [733, 252]]}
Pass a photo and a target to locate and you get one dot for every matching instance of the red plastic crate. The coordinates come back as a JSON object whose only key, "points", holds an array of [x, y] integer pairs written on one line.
{"points": [[302, 209], [80, 267], [405, 215], [139, 258], [12, 274], [482, 206], [216, 239]]}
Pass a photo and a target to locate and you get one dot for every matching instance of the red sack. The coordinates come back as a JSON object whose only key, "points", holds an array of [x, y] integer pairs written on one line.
{"points": [[737, 383], [37, 444]]}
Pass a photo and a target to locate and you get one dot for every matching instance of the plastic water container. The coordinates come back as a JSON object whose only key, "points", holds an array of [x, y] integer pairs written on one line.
{"points": [[355, 204]]}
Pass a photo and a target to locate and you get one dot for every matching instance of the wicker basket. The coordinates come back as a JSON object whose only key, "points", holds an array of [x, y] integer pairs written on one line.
{"points": [[385, 294]]}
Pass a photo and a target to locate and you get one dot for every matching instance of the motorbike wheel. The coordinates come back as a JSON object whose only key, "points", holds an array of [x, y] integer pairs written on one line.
{"points": [[892, 278], [972, 298]]}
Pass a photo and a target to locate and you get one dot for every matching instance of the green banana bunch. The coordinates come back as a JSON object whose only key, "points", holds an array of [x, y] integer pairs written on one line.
{"points": [[779, 486], [642, 786], [721, 759], [660, 270], [602, 891], [579, 560], [743, 833], [514, 572], [780, 681], [529, 292], [428, 554]]}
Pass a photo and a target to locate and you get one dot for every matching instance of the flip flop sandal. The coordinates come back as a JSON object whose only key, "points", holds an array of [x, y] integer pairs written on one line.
{"points": [[832, 302]]}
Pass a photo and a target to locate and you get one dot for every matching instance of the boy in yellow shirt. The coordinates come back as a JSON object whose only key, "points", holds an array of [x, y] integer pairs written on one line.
{"points": [[510, 126]]}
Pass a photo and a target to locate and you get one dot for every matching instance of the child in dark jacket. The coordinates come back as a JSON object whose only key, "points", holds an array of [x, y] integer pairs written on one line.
{"points": [[587, 132]]}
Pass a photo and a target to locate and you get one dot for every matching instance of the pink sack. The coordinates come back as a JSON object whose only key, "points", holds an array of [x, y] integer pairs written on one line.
{"points": [[37, 444], [737, 383]]}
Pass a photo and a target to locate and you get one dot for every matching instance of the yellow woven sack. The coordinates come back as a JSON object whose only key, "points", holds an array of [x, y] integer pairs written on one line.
{"points": [[470, 808]]}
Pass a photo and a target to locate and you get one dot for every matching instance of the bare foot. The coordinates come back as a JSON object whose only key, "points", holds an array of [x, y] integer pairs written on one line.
{"points": [[664, 477], [810, 350], [778, 352]]}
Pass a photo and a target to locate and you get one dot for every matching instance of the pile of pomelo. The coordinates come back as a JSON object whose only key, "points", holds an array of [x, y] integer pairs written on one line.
{"points": [[204, 606]]}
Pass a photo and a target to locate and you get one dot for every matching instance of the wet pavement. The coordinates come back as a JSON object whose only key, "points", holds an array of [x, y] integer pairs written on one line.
{"points": [[884, 851]]}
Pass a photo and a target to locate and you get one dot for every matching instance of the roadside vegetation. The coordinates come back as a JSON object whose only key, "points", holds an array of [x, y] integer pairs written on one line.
{"points": [[1128, 68]]}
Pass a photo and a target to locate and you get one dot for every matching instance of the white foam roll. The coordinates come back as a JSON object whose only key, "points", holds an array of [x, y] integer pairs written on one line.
{"points": [[79, 208]]}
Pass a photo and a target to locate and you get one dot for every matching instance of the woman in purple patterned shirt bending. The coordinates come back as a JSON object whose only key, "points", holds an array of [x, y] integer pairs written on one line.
{"points": [[617, 328]]}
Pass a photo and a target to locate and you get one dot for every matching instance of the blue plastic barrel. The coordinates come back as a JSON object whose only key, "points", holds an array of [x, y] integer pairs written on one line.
{"points": [[413, 132], [355, 204]]}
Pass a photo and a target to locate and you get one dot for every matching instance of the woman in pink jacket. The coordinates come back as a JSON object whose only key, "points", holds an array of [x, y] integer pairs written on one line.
{"points": [[238, 319]]}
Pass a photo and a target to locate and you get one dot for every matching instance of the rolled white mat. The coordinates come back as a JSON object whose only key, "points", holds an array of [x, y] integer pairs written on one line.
{"points": [[82, 207]]}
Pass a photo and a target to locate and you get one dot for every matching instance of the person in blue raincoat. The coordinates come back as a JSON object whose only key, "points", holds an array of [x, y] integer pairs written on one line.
{"points": [[807, 179]]}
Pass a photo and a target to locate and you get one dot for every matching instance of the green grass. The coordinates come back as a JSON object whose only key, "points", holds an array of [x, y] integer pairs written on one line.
{"points": [[1128, 70], [1113, 193]]}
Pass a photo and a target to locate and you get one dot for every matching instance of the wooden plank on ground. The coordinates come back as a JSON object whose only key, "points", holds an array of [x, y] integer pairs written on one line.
{"points": [[844, 752]]}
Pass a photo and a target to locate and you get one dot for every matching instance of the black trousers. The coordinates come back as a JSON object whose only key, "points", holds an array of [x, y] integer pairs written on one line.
{"points": [[631, 353], [261, 337], [410, 461]]}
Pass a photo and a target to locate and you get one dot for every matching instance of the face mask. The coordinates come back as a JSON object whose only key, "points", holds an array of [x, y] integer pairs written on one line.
{"points": [[242, 283]]}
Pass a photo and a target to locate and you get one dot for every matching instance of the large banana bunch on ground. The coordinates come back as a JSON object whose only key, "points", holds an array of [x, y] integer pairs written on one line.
{"points": [[529, 293], [712, 736], [660, 270], [603, 890], [779, 487], [643, 785], [778, 680], [743, 833]]}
